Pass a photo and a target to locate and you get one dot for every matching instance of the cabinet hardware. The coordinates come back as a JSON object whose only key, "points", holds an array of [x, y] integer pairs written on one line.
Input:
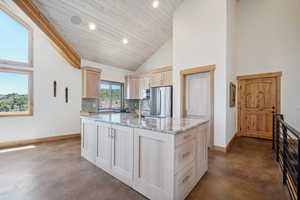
{"points": [[109, 132], [83, 135], [97, 141], [186, 179], [186, 154]]}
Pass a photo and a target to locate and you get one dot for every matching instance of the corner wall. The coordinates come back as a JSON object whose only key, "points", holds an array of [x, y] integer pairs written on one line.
{"points": [[161, 58], [52, 116], [109, 73], [268, 40], [199, 39]]}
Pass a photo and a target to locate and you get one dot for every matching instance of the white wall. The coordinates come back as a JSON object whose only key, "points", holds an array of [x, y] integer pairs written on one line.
{"points": [[231, 113], [52, 116], [269, 41], [109, 73], [199, 38], [161, 58]]}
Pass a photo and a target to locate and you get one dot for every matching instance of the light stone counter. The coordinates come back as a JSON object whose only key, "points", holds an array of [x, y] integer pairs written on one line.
{"points": [[163, 125]]}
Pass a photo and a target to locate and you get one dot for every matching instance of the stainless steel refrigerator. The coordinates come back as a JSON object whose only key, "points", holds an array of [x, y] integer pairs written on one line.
{"points": [[161, 101]]}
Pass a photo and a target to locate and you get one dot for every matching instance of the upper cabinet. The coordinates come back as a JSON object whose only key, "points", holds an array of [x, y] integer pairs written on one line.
{"points": [[90, 82], [164, 78], [136, 84]]}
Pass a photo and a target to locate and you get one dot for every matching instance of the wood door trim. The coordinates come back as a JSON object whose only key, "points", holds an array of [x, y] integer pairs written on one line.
{"points": [[201, 69], [276, 75], [63, 48], [184, 73], [256, 76]]}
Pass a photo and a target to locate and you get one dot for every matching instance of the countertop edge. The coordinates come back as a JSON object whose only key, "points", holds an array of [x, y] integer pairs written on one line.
{"points": [[203, 121]]}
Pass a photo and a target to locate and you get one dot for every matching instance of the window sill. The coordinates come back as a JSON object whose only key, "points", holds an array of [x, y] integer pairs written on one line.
{"points": [[15, 114]]}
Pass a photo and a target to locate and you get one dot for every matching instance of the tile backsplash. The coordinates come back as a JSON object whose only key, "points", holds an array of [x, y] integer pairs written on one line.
{"points": [[89, 105]]}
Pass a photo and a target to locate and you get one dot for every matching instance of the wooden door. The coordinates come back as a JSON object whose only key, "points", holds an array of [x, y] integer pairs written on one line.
{"points": [[258, 98], [103, 157], [122, 153]]}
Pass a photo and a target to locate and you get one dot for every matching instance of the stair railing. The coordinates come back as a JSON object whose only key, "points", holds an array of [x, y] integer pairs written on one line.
{"points": [[286, 144]]}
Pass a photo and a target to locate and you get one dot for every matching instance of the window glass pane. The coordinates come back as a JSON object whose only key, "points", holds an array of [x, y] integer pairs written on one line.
{"points": [[104, 96], [116, 93], [13, 39], [13, 92]]}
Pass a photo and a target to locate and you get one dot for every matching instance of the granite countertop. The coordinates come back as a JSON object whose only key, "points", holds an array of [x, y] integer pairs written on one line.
{"points": [[163, 125]]}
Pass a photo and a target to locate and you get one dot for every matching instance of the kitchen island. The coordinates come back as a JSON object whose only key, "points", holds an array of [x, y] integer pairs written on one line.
{"points": [[162, 158]]}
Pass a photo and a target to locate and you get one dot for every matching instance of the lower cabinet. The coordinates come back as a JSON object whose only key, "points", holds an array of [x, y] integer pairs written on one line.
{"points": [[88, 140], [104, 140], [154, 164], [122, 153], [158, 165]]}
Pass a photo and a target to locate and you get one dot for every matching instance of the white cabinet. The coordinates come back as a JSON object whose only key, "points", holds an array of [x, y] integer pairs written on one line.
{"points": [[202, 150], [103, 158], [122, 153], [153, 164], [160, 166], [88, 140], [110, 147]]}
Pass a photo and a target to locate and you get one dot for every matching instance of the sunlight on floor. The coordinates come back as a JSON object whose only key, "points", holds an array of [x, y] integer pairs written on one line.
{"points": [[17, 149]]}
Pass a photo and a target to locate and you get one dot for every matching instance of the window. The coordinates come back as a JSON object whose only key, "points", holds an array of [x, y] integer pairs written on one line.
{"points": [[15, 92], [111, 95], [15, 40]]}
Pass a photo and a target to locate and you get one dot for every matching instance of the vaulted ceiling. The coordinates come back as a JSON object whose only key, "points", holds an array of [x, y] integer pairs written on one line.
{"points": [[145, 27]]}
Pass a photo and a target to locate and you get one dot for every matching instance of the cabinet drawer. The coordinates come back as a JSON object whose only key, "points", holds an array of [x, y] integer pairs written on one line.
{"points": [[184, 181], [186, 136], [184, 155]]}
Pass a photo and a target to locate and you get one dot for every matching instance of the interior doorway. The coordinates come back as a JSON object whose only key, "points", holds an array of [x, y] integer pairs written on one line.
{"points": [[197, 95], [258, 97]]}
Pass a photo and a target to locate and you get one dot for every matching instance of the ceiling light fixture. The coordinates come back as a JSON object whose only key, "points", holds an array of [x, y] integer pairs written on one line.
{"points": [[125, 41], [92, 26], [155, 3]]}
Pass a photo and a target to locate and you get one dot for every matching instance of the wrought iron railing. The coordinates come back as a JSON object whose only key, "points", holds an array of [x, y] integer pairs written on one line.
{"points": [[286, 144]]}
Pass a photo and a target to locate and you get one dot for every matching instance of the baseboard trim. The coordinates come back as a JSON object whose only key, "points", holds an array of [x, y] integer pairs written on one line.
{"points": [[228, 146], [38, 140]]}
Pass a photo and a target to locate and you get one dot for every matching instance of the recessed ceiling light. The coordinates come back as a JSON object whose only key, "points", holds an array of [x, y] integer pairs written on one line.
{"points": [[155, 3], [92, 26], [125, 41]]}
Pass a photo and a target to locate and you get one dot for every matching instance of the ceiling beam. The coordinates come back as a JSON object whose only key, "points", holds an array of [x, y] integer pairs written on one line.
{"points": [[41, 21]]}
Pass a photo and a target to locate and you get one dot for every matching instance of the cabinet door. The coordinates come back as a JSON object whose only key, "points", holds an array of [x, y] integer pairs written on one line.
{"points": [[91, 81], [122, 153], [156, 80], [88, 140], [103, 156], [167, 78], [132, 87], [154, 164], [201, 151]]}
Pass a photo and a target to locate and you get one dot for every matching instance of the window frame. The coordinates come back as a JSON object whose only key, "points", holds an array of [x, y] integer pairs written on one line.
{"points": [[30, 41], [30, 92], [122, 96]]}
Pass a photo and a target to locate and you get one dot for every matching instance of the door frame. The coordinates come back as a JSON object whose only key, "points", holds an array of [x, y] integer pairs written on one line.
{"points": [[202, 69], [276, 75]]}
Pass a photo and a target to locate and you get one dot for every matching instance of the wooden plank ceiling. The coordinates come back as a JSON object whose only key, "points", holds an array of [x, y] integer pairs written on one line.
{"points": [[145, 28]]}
